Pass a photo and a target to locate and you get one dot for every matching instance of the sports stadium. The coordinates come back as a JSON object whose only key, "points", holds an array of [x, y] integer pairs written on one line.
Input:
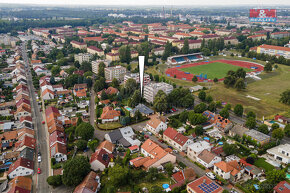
{"points": [[208, 70]]}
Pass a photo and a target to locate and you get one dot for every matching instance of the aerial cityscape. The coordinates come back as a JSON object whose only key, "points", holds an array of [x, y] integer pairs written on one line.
{"points": [[144, 96]]}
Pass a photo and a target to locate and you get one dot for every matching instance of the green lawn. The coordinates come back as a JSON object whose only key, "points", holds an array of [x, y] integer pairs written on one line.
{"points": [[213, 70], [261, 163], [109, 126]]}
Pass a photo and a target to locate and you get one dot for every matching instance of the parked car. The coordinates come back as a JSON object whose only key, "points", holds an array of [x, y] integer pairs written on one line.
{"points": [[175, 151], [150, 133], [38, 170], [170, 147], [39, 153], [39, 159], [43, 122], [160, 140], [219, 182], [210, 175], [146, 136]]}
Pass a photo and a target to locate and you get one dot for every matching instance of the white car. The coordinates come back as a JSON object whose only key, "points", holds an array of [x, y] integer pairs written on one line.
{"points": [[210, 175], [39, 159]]}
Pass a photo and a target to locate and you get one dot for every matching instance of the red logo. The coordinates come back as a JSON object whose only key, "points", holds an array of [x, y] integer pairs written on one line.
{"points": [[262, 13]]}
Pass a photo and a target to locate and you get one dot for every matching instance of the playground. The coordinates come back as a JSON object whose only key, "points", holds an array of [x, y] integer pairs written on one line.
{"points": [[208, 70]]}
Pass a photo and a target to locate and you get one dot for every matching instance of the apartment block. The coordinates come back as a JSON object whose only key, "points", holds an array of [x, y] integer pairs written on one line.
{"points": [[83, 57], [152, 89], [136, 77], [117, 72]]}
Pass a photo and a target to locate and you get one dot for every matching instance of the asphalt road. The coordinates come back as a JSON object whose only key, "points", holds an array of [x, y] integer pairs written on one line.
{"points": [[39, 180]]}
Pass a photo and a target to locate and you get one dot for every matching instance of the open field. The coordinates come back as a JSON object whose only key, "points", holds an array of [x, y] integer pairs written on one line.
{"points": [[213, 70], [268, 90]]}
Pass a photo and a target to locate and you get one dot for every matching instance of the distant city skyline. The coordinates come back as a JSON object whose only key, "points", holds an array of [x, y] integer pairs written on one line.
{"points": [[150, 2]]}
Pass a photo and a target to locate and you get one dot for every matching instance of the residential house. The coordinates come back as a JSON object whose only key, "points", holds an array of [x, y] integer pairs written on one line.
{"points": [[100, 159], [47, 94], [20, 184], [108, 91], [79, 89], [110, 115], [183, 176], [194, 149], [95, 50], [22, 111], [258, 37], [57, 137], [282, 187], [91, 184], [155, 125], [155, 156], [282, 119], [238, 130], [229, 170], [124, 136], [280, 153], [207, 158], [59, 152], [175, 139], [107, 145], [78, 45], [143, 109], [21, 167], [27, 153], [202, 185], [258, 136], [25, 141]]}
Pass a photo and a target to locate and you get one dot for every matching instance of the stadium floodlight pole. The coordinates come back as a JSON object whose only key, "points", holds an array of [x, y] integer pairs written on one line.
{"points": [[141, 72]]}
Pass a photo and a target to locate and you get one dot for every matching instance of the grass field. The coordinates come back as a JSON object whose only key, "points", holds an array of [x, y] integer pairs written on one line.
{"points": [[268, 90], [213, 70]]}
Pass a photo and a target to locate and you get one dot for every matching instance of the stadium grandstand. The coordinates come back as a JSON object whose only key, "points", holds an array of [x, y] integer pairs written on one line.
{"points": [[180, 59]]}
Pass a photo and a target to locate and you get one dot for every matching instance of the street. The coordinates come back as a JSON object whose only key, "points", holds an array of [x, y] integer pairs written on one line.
{"points": [[39, 180]]}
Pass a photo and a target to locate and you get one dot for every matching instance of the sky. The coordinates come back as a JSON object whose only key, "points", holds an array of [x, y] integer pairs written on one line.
{"points": [[150, 2]]}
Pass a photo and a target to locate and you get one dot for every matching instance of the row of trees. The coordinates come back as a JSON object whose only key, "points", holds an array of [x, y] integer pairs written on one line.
{"points": [[236, 79]]}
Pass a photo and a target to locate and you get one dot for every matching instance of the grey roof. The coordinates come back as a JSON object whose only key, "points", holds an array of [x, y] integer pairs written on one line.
{"points": [[27, 153], [115, 136], [143, 109], [124, 142], [257, 135]]}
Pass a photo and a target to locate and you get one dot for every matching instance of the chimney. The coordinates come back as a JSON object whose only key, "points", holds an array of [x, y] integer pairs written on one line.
{"points": [[204, 180]]}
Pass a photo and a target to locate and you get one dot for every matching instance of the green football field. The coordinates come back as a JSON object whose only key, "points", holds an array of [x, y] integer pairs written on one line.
{"points": [[213, 70]]}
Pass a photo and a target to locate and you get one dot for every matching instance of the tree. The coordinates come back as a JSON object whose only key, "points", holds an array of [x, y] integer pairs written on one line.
{"points": [[81, 144], [202, 95], [229, 149], [250, 160], [275, 176], [228, 106], [93, 144], [52, 80], [215, 80], [275, 126], [55, 70], [185, 48], [200, 108], [287, 130], [118, 175], [135, 100], [196, 118], [251, 114], [104, 95], [167, 51], [194, 79], [285, 97], [85, 131], [115, 83], [263, 128], [268, 67], [156, 189], [128, 54], [208, 99], [125, 120], [240, 84], [74, 170], [131, 86], [168, 168], [160, 101], [239, 110], [278, 134], [184, 116], [152, 175], [251, 122], [212, 106], [198, 130], [54, 180], [101, 70], [224, 113]]}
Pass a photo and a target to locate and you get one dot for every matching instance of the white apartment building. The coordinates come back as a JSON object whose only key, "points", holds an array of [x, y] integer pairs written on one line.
{"points": [[152, 89], [136, 77], [83, 57], [117, 72]]}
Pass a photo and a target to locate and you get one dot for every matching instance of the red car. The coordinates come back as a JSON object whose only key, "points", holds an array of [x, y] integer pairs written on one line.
{"points": [[43, 122], [160, 140], [39, 171], [146, 136]]}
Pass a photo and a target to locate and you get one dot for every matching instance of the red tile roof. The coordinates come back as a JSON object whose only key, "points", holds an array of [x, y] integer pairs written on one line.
{"points": [[102, 156], [88, 185], [26, 141], [21, 162], [275, 47], [109, 113], [282, 187], [195, 185], [57, 136]]}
